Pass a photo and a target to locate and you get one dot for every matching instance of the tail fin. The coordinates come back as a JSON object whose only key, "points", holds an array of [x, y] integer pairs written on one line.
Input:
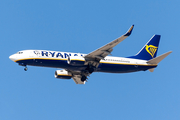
{"points": [[149, 50]]}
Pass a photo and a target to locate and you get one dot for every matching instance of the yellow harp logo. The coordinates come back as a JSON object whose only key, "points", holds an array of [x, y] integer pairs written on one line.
{"points": [[151, 49]]}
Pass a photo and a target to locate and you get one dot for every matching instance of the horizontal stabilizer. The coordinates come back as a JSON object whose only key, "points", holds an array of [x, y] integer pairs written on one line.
{"points": [[159, 58]]}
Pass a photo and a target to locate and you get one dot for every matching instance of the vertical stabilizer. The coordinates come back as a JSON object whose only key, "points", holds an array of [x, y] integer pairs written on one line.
{"points": [[149, 50]]}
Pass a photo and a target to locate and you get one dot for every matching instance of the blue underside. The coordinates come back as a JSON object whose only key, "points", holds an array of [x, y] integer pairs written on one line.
{"points": [[103, 67]]}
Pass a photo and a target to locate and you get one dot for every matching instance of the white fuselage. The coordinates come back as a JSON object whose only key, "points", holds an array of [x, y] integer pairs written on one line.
{"points": [[58, 59]]}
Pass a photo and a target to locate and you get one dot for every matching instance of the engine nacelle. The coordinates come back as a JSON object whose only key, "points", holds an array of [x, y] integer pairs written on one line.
{"points": [[63, 74], [76, 60]]}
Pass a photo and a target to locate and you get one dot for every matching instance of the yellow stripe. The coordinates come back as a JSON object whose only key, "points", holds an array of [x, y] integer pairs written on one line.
{"points": [[83, 60], [64, 75], [131, 29], [46, 59], [40, 59], [78, 60]]}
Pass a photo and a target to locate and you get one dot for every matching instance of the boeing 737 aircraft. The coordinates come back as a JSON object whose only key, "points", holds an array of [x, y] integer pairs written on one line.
{"points": [[79, 66]]}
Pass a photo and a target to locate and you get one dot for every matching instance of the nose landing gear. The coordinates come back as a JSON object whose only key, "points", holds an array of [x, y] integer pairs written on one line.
{"points": [[25, 69], [23, 64]]}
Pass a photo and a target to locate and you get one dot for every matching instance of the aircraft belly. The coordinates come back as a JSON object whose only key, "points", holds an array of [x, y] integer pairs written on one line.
{"points": [[121, 68], [103, 67]]}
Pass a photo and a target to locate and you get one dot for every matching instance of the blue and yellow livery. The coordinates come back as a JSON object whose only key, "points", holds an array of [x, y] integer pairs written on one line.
{"points": [[78, 66]]}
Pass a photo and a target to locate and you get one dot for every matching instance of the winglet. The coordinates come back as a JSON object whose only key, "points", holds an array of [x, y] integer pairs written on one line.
{"points": [[129, 31]]}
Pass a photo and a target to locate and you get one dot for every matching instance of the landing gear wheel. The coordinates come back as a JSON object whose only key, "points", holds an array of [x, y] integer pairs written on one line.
{"points": [[25, 69], [83, 78], [90, 69]]}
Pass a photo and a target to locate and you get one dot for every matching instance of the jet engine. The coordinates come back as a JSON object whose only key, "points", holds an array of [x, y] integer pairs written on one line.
{"points": [[63, 74], [76, 60]]}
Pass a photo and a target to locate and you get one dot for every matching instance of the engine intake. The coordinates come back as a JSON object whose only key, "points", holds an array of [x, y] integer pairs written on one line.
{"points": [[63, 74]]}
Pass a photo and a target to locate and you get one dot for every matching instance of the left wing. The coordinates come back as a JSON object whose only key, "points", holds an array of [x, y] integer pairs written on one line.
{"points": [[77, 79], [95, 56]]}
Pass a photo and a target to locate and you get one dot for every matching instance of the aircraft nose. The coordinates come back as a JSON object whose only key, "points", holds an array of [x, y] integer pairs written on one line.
{"points": [[12, 57]]}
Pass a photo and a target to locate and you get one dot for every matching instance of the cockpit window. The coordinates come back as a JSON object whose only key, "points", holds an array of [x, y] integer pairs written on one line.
{"points": [[36, 52], [19, 53]]}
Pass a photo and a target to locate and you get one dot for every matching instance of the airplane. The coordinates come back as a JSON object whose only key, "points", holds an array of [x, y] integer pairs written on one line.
{"points": [[79, 66]]}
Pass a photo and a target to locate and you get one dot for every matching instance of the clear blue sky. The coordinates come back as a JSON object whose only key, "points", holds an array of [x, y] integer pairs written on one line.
{"points": [[83, 26]]}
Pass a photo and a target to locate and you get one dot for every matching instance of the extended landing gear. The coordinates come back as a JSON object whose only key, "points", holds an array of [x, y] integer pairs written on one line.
{"points": [[25, 69], [83, 78], [90, 69], [23, 64]]}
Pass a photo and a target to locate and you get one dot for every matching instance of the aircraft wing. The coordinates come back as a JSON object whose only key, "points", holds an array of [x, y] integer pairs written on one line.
{"points": [[77, 79], [105, 50], [78, 75], [93, 58]]}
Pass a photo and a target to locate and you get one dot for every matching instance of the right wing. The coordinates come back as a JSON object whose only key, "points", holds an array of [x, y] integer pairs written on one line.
{"points": [[95, 56]]}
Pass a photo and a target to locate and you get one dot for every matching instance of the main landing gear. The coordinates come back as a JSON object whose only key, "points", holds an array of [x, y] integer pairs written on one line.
{"points": [[83, 78], [90, 68]]}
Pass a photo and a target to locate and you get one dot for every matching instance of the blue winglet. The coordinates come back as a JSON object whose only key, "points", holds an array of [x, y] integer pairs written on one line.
{"points": [[129, 31]]}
